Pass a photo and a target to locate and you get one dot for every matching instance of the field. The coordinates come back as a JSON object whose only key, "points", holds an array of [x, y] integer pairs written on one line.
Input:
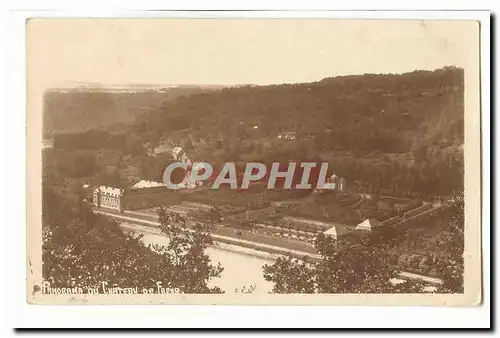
{"points": [[255, 198], [347, 208]]}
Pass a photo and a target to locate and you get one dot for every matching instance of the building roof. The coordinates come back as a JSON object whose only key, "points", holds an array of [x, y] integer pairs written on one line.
{"points": [[331, 231], [336, 179], [329, 186], [160, 150], [109, 191], [147, 184], [368, 224], [339, 230]]}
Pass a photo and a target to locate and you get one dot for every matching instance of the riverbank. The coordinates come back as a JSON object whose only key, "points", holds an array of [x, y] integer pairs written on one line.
{"points": [[246, 246], [242, 267], [242, 247], [136, 228]]}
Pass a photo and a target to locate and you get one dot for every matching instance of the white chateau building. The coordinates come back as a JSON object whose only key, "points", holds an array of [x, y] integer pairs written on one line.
{"points": [[108, 197]]}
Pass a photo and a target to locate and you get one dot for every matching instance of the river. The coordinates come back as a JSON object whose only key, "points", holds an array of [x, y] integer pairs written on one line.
{"points": [[240, 269]]}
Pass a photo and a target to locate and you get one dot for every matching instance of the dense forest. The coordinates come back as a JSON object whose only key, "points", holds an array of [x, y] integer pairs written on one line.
{"points": [[389, 134], [380, 108], [384, 133], [80, 109]]}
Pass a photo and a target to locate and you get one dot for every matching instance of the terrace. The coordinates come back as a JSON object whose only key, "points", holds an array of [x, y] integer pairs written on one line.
{"points": [[256, 197]]}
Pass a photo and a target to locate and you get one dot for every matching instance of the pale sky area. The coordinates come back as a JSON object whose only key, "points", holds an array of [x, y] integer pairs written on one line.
{"points": [[62, 52]]}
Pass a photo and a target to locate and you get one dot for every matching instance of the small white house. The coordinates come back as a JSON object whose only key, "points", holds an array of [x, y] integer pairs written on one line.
{"points": [[176, 152], [288, 136]]}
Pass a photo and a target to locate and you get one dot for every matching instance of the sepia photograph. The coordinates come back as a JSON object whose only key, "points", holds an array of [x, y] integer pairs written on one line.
{"points": [[253, 161]]}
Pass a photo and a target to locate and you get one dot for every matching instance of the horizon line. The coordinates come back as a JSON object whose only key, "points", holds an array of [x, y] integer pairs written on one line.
{"points": [[91, 85]]}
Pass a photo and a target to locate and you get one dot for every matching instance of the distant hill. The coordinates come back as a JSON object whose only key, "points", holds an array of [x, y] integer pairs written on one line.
{"points": [[91, 106], [392, 107], [390, 134], [384, 133]]}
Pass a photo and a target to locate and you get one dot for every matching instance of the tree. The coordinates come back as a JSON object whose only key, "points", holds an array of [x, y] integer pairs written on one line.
{"points": [[356, 264], [362, 266], [134, 145], [110, 178], [192, 269], [84, 249], [451, 240], [188, 145], [291, 275], [73, 164]]}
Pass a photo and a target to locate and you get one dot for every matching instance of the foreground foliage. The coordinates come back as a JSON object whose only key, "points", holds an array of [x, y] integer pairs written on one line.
{"points": [[84, 249], [364, 263]]}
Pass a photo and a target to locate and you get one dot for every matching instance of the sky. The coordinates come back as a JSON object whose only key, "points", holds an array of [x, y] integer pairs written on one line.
{"points": [[63, 52]]}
